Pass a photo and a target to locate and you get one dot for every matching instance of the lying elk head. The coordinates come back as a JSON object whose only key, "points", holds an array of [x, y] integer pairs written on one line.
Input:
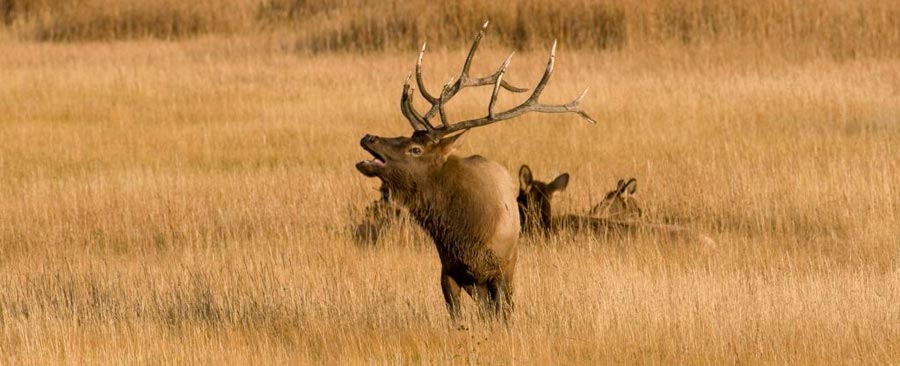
{"points": [[619, 203], [467, 205], [379, 215], [534, 199]]}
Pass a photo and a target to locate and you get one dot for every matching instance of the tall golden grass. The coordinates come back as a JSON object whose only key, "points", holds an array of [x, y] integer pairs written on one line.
{"points": [[831, 28], [190, 202]]}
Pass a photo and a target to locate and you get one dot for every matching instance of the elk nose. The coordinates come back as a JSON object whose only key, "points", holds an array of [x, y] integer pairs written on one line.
{"points": [[368, 139]]}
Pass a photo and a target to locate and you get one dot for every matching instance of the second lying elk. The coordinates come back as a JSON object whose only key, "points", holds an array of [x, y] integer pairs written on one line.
{"points": [[466, 204], [377, 217], [536, 211], [620, 203]]}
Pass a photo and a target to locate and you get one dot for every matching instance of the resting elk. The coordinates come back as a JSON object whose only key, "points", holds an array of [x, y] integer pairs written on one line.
{"points": [[467, 205], [536, 210], [378, 216], [620, 203]]}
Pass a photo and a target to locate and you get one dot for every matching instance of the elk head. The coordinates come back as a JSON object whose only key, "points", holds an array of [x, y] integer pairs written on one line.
{"points": [[401, 162], [619, 203], [534, 199]]}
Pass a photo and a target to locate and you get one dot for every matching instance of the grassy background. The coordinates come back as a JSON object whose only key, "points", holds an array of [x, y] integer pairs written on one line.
{"points": [[189, 200], [810, 27]]}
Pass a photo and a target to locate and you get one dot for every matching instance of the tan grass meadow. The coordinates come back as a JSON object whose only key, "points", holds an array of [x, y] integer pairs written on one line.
{"points": [[188, 199]]}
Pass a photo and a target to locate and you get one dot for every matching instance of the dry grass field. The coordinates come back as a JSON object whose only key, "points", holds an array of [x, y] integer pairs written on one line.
{"points": [[189, 202]]}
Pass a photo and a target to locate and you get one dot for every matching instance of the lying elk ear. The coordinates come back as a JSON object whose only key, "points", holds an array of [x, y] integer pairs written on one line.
{"points": [[631, 186], [560, 183], [525, 178], [620, 188], [448, 145]]}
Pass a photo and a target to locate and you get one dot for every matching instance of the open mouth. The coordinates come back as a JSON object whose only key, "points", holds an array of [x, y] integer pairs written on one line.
{"points": [[372, 167], [377, 159]]}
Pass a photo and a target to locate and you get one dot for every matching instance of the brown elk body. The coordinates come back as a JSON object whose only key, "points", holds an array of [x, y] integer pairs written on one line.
{"points": [[534, 203], [467, 205]]}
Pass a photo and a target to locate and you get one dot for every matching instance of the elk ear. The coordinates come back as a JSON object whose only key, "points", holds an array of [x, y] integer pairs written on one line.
{"points": [[620, 188], [560, 183], [525, 178], [448, 145], [631, 186]]}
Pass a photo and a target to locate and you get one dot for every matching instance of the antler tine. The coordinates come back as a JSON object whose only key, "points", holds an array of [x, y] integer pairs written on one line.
{"points": [[490, 80], [546, 77], [464, 79], [497, 84], [419, 81], [575, 105], [405, 106], [444, 91], [464, 75], [415, 114]]}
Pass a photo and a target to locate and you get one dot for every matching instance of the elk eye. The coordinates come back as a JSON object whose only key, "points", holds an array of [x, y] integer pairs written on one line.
{"points": [[415, 150]]}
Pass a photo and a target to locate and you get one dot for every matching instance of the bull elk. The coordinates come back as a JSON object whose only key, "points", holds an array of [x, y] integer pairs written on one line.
{"points": [[535, 207], [467, 205]]}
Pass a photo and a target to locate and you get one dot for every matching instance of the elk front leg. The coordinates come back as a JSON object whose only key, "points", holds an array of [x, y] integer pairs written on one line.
{"points": [[484, 298], [501, 292], [451, 291]]}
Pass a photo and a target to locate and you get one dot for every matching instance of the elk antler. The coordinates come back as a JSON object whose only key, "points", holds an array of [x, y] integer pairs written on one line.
{"points": [[418, 123], [422, 122]]}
